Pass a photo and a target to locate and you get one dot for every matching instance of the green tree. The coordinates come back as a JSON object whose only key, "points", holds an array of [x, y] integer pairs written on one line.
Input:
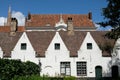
{"points": [[112, 18]]}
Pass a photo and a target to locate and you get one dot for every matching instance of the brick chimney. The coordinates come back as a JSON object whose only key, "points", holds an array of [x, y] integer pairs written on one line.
{"points": [[29, 16], [13, 26], [70, 28], [90, 15]]}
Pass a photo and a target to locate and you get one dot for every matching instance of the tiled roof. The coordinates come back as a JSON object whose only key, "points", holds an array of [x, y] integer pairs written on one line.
{"points": [[40, 41], [41, 20], [7, 42], [73, 42], [7, 29], [102, 41]]}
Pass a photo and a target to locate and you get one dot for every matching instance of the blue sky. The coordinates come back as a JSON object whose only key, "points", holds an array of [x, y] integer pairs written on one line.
{"points": [[55, 7]]}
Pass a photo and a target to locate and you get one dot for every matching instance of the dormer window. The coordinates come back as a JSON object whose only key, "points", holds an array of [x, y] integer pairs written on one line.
{"points": [[57, 46], [89, 45], [69, 18], [23, 46]]}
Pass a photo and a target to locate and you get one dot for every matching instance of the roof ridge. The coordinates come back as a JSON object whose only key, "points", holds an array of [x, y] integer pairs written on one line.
{"points": [[62, 14]]}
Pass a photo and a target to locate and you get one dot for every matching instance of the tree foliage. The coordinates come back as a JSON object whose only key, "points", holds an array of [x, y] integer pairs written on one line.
{"points": [[11, 68], [112, 17]]}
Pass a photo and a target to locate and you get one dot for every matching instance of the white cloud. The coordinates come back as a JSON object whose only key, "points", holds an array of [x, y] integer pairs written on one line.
{"points": [[100, 28], [18, 15], [2, 21]]}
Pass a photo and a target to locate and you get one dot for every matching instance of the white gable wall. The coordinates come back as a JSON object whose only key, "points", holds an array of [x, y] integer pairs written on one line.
{"points": [[1, 53], [51, 61], [117, 48], [93, 56], [116, 55], [24, 55], [53, 57]]}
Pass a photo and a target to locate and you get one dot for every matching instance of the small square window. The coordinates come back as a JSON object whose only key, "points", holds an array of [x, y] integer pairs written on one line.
{"points": [[57, 46], [89, 45], [23, 46]]}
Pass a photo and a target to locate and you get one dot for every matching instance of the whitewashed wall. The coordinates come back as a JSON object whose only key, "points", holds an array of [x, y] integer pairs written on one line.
{"points": [[93, 56], [24, 55], [51, 61], [116, 55], [1, 53]]}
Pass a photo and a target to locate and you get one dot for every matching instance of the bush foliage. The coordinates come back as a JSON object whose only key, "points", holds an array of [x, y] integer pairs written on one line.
{"points": [[37, 77], [12, 68]]}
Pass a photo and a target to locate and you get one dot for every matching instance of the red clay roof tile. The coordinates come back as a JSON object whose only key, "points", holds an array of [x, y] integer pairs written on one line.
{"points": [[7, 29], [40, 20]]}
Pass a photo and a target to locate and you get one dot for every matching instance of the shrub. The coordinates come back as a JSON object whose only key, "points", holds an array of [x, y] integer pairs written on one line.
{"points": [[12, 68], [69, 78]]}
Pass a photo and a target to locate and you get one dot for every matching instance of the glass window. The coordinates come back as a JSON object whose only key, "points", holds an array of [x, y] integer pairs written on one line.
{"points": [[57, 46], [81, 69], [23, 46], [89, 45], [65, 68]]}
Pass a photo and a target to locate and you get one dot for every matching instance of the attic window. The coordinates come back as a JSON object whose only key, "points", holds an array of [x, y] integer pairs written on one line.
{"points": [[57, 46], [23, 46], [69, 18], [89, 45]]}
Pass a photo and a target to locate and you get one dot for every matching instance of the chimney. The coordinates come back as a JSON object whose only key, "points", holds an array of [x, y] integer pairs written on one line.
{"points": [[70, 28], [29, 16], [13, 26], [90, 15]]}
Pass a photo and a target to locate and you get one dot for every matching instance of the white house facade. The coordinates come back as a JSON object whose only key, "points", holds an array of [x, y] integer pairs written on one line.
{"points": [[65, 45]]}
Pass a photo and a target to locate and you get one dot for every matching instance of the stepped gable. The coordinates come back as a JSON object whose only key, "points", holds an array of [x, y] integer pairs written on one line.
{"points": [[40, 41], [41, 20], [7, 42]]}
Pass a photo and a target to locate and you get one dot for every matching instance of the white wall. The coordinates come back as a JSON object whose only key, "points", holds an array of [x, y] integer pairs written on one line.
{"points": [[24, 55], [93, 56], [116, 55], [51, 61], [1, 53]]}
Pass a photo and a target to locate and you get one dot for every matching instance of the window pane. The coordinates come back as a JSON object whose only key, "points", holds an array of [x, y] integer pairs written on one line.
{"points": [[62, 70], [81, 69], [89, 45], [57, 46], [65, 68], [23, 46], [67, 71]]}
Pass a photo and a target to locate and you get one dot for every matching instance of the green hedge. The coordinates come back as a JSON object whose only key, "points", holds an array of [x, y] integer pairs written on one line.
{"points": [[37, 77], [12, 68]]}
